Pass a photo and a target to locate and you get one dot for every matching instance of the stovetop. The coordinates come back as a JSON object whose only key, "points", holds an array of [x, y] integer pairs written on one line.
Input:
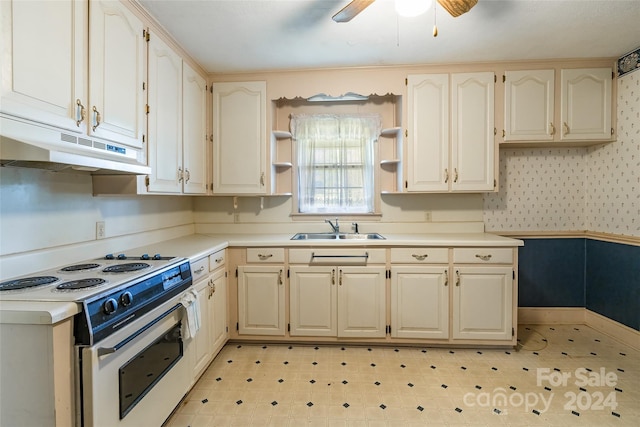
{"points": [[82, 280]]}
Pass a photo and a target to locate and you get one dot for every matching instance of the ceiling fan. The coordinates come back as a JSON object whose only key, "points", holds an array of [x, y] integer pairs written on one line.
{"points": [[350, 11]]}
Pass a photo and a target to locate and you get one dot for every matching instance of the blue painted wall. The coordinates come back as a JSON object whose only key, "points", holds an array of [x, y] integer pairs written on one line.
{"points": [[604, 277], [613, 281]]}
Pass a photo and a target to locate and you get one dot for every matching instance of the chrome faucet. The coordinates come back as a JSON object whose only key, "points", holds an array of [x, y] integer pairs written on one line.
{"points": [[335, 227]]}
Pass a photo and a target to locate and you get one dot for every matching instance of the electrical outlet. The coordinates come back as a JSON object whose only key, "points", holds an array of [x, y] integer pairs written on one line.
{"points": [[100, 230], [427, 216]]}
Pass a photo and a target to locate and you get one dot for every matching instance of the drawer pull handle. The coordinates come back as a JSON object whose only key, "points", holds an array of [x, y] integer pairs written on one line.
{"points": [[484, 257], [200, 270], [553, 129], [457, 278], [264, 256], [340, 277], [218, 260], [280, 278], [98, 118], [446, 278], [420, 257], [333, 276]]}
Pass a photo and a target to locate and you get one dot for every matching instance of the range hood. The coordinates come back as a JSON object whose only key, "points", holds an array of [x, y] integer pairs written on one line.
{"points": [[27, 144]]}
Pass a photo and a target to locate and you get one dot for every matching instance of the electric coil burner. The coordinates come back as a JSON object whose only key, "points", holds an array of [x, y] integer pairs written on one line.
{"points": [[126, 268], [27, 282], [80, 284], [80, 267]]}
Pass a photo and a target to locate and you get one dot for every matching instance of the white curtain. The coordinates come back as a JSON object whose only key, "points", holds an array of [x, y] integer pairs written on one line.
{"points": [[335, 154]]}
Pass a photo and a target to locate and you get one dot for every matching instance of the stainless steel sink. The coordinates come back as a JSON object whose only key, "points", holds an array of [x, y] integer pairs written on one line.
{"points": [[337, 236]]}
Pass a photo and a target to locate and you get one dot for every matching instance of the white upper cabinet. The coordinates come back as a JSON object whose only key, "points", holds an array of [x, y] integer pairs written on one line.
{"points": [[116, 73], [586, 104], [575, 109], [239, 137], [428, 132], [194, 131], [472, 132], [43, 76], [165, 118], [450, 122], [529, 102]]}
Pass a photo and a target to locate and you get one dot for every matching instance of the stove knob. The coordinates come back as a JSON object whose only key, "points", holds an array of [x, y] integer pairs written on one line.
{"points": [[126, 299], [109, 256], [157, 257], [145, 257], [110, 306], [122, 256]]}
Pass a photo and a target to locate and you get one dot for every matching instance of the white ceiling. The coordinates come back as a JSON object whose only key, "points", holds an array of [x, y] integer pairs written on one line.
{"points": [[236, 35]]}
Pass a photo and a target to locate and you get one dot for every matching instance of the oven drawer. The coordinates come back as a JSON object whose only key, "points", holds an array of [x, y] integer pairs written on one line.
{"points": [[265, 255], [217, 260], [483, 255], [200, 269]]}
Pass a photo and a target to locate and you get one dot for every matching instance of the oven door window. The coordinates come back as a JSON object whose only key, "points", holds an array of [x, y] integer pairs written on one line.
{"points": [[140, 374]]}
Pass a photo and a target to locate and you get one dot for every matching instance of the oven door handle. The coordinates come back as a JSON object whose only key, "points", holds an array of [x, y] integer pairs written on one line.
{"points": [[103, 351]]}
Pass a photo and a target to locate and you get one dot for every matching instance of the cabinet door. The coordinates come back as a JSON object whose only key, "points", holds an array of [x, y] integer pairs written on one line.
{"points": [[361, 302], [313, 301], [165, 118], [194, 131], [239, 137], [219, 330], [483, 303], [261, 300], [472, 131], [419, 302], [586, 104], [428, 132], [44, 69], [116, 73], [200, 345], [528, 110]]}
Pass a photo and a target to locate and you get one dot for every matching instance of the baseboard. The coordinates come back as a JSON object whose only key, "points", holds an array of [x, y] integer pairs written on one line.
{"points": [[615, 330], [580, 316], [551, 315]]}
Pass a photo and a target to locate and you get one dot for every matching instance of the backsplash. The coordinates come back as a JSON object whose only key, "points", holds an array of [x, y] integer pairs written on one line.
{"points": [[567, 189]]}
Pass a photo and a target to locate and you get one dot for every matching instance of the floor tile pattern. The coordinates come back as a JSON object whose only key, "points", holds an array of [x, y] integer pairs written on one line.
{"points": [[559, 376]]}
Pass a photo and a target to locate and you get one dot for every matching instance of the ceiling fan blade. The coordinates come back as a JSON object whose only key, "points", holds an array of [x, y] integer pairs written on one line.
{"points": [[457, 7], [351, 10]]}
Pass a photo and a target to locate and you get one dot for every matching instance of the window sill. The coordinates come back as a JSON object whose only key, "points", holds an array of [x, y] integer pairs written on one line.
{"points": [[342, 216]]}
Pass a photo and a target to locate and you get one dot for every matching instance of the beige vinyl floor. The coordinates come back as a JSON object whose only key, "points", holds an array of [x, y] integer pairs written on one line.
{"points": [[561, 375]]}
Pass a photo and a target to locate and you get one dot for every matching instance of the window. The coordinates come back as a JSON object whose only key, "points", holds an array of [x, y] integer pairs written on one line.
{"points": [[335, 155]]}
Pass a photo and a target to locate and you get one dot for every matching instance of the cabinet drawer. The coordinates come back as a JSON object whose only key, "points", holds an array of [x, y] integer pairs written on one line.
{"points": [[216, 260], [420, 255], [483, 255], [264, 255], [337, 256], [200, 269]]}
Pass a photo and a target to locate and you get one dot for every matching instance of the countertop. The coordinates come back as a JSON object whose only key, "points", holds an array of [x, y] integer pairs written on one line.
{"points": [[196, 246]]}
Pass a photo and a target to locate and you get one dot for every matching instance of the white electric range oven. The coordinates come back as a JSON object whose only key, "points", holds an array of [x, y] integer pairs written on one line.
{"points": [[129, 364]]}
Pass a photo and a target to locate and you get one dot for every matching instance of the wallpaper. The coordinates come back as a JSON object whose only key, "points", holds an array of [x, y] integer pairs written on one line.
{"points": [[613, 178], [565, 189]]}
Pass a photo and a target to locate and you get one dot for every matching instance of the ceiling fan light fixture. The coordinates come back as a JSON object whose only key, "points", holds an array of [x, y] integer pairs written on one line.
{"points": [[412, 8]]}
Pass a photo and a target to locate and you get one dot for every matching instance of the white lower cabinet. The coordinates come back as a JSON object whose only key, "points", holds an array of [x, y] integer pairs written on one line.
{"points": [[419, 302], [212, 335], [261, 294], [342, 301], [483, 303]]}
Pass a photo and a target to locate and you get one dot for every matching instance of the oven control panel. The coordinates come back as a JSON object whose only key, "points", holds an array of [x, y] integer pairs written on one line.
{"points": [[106, 313]]}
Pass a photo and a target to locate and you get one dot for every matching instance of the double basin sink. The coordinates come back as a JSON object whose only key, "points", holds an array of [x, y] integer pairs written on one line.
{"points": [[337, 236]]}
